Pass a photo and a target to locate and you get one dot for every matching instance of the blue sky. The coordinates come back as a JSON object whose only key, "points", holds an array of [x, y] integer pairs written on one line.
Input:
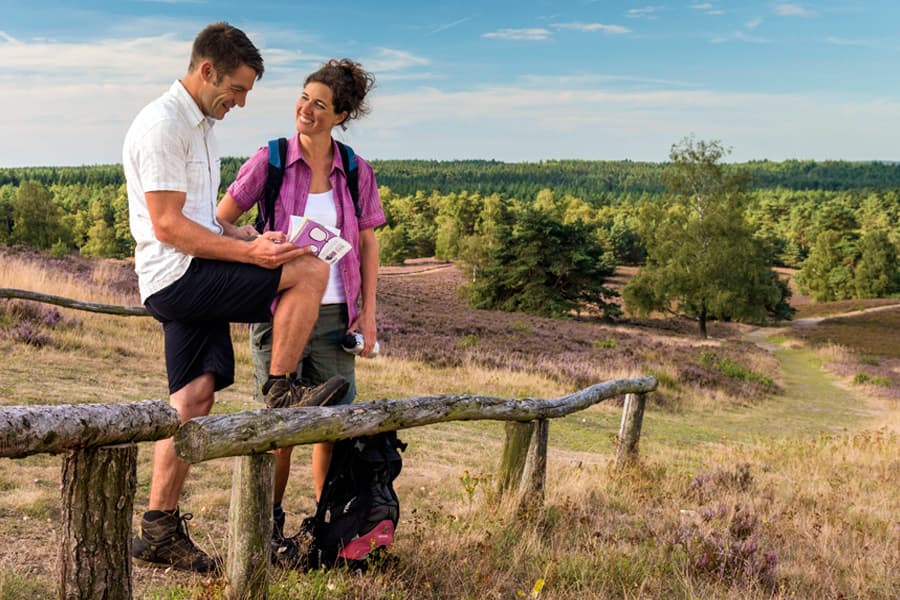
{"points": [[512, 81]]}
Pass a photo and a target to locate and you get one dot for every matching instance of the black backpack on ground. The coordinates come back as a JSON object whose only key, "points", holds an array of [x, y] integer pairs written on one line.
{"points": [[275, 175], [358, 510]]}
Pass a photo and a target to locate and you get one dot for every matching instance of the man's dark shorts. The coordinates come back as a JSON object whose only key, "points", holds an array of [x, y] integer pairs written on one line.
{"points": [[196, 312]]}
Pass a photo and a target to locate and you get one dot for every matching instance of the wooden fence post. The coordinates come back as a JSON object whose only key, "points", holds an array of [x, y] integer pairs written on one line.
{"points": [[630, 429], [250, 527], [534, 474], [98, 486], [515, 450]]}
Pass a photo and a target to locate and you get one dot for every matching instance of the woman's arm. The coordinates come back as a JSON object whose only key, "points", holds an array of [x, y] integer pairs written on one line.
{"points": [[227, 213], [368, 267]]}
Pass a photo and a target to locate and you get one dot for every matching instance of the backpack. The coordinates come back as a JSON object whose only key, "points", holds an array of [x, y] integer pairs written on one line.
{"points": [[275, 175], [358, 510]]}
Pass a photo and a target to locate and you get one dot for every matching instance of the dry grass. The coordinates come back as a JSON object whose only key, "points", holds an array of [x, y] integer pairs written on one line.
{"points": [[739, 495], [870, 332]]}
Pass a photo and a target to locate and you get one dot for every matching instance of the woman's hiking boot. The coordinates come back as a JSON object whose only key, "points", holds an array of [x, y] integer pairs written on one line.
{"points": [[165, 542], [289, 552], [283, 392]]}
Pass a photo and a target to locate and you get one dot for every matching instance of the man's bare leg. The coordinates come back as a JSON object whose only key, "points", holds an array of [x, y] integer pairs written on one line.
{"points": [[169, 472], [303, 282]]}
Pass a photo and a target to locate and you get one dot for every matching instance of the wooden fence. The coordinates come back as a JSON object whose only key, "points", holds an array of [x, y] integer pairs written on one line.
{"points": [[99, 470], [100, 465]]}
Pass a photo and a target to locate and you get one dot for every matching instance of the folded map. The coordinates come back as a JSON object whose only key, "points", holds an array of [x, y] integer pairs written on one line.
{"points": [[326, 242]]}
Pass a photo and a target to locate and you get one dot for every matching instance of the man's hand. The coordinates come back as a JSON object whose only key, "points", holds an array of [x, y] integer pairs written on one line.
{"points": [[271, 249]]}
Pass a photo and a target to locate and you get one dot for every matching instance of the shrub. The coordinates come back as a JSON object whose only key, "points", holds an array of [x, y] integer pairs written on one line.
{"points": [[731, 369], [606, 343], [28, 333], [872, 361], [709, 484], [725, 546], [861, 378]]}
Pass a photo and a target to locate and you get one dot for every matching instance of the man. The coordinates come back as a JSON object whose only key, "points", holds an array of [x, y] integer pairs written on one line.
{"points": [[196, 275]]}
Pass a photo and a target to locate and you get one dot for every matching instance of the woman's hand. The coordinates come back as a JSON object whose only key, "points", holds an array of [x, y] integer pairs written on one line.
{"points": [[247, 233], [365, 324]]}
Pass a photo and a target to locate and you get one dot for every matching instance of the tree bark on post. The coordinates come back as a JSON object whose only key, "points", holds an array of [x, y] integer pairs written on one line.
{"points": [[98, 486], [250, 527], [515, 450], [534, 473], [630, 429]]}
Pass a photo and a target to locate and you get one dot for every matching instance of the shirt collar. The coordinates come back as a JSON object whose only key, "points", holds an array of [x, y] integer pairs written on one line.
{"points": [[189, 106], [295, 153]]}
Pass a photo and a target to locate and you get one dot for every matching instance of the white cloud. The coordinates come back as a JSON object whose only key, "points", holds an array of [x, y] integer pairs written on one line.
{"points": [[593, 117], [637, 13], [793, 10], [447, 26], [594, 79], [159, 58], [754, 23], [591, 27], [707, 8], [839, 41], [599, 124], [388, 59], [739, 36], [532, 34]]}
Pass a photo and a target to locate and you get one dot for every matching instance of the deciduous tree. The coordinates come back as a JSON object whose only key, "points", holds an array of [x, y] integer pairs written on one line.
{"points": [[702, 259]]}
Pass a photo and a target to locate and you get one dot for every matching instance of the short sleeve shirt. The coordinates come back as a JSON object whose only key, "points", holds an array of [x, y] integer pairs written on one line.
{"points": [[170, 146], [249, 188]]}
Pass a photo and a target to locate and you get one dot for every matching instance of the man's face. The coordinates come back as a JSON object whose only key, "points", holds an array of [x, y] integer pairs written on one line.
{"points": [[218, 97]]}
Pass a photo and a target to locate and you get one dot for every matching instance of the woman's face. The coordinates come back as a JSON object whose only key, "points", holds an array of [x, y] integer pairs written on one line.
{"points": [[315, 110]]}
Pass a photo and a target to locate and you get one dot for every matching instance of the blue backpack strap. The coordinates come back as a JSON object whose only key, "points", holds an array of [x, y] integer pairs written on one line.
{"points": [[265, 214], [348, 159], [275, 158]]}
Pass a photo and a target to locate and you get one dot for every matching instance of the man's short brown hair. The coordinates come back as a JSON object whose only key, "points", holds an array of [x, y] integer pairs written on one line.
{"points": [[227, 48]]}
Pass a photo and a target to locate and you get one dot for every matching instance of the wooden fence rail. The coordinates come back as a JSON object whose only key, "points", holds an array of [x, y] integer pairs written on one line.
{"points": [[100, 465], [109, 309], [249, 435], [99, 479]]}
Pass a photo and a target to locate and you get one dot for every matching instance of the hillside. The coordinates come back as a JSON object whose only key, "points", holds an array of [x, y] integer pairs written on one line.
{"points": [[750, 483]]}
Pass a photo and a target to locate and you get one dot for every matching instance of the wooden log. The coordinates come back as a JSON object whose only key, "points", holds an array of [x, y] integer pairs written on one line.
{"points": [[250, 527], [534, 475], [515, 451], [109, 309], [630, 429], [26, 430], [255, 431], [98, 486]]}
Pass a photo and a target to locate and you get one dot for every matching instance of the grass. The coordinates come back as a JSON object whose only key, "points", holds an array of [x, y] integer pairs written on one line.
{"points": [[787, 491]]}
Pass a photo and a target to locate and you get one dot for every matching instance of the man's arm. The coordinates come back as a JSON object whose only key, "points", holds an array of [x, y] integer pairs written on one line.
{"points": [[171, 227]]}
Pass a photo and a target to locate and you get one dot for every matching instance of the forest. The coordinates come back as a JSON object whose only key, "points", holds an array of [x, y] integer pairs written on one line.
{"points": [[542, 237]]}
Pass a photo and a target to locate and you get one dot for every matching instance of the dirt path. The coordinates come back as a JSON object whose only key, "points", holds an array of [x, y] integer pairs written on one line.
{"points": [[811, 396], [816, 320]]}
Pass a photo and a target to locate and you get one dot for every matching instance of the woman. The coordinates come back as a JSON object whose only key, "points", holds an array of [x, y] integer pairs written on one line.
{"points": [[315, 185]]}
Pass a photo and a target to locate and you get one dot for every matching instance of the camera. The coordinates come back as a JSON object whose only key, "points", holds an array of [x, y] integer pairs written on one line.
{"points": [[354, 342]]}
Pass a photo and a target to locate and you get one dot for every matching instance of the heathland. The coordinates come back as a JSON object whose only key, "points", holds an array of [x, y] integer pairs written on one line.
{"points": [[769, 456]]}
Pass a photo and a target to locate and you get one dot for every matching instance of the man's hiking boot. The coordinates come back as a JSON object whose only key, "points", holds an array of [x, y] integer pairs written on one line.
{"points": [[284, 392], [290, 552], [165, 542]]}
